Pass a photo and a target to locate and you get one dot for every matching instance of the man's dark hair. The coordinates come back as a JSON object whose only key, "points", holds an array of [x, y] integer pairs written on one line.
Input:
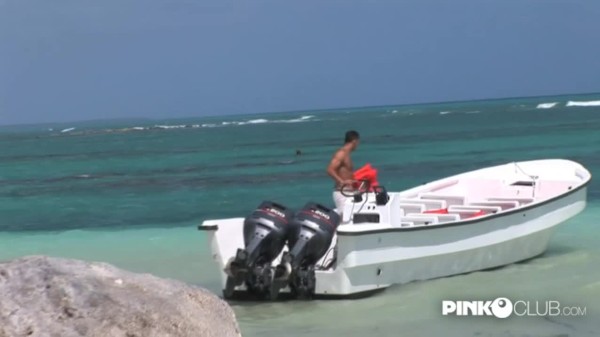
{"points": [[351, 135]]}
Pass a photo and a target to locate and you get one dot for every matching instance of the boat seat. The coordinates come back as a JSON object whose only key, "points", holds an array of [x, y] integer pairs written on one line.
{"points": [[502, 204], [449, 199], [441, 218], [487, 209], [521, 201], [412, 208], [429, 204], [418, 220], [466, 213]]}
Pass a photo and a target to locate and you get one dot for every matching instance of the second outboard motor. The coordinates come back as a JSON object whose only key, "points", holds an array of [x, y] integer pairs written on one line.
{"points": [[310, 234], [265, 235]]}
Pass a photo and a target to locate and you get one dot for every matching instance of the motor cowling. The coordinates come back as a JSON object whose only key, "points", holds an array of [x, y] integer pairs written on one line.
{"points": [[265, 235], [309, 237], [265, 232], [310, 234]]}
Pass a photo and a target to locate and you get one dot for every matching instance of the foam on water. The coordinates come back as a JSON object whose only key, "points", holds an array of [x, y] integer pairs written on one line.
{"points": [[305, 118], [67, 130], [588, 103], [547, 105], [256, 121]]}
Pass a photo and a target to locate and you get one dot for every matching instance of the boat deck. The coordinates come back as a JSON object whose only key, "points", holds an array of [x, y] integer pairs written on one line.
{"points": [[432, 208]]}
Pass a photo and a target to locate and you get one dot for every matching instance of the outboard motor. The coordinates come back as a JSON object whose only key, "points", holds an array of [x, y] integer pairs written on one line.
{"points": [[265, 235], [310, 234]]}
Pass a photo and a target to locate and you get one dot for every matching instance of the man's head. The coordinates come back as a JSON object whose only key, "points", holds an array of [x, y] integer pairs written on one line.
{"points": [[352, 137]]}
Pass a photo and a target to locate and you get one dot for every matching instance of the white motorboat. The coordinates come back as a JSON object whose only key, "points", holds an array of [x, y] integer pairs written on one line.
{"points": [[472, 221]]}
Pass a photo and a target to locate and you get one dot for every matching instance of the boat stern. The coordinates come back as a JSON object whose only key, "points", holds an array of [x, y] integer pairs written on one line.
{"points": [[224, 236]]}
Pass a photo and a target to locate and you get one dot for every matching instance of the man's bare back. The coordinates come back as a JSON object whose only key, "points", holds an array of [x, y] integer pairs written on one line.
{"points": [[340, 168], [341, 165]]}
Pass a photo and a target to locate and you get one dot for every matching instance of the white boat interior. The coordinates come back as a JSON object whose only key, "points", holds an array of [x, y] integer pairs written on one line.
{"points": [[472, 195]]}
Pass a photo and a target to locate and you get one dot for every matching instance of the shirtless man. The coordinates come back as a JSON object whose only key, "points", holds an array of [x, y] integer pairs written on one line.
{"points": [[341, 169]]}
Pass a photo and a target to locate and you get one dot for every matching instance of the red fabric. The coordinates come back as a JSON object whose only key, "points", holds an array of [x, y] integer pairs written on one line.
{"points": [[480, 213], [438, 211], [367, 172]]}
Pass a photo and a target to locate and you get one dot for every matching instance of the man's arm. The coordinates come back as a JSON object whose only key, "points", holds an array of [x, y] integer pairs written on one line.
{"points": [[335, 163]]}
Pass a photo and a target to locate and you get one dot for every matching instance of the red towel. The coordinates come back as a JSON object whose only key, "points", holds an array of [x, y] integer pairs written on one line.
{"points": [[367, 172]]}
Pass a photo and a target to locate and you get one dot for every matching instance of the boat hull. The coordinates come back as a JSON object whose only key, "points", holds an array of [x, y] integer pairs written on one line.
{"points": [[368, 261], [383, 243]]}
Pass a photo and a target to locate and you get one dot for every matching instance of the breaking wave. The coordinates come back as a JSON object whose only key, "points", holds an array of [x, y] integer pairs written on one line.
{"points": [[547, 105], [584, 103], [262, 121], [206, 125]]}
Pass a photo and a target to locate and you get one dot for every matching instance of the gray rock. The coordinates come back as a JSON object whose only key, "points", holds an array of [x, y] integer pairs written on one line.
{"points": [[45, 296]]}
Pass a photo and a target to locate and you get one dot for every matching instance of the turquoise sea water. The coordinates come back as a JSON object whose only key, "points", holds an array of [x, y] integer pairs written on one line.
{"points": [[131, 193]]}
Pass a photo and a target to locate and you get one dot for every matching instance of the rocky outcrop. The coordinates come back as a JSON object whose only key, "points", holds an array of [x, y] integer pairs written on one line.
{"points": [[44, 296]]}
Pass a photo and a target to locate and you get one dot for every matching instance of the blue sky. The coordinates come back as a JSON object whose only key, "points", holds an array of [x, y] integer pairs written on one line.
{"points": [[75, 60]]}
